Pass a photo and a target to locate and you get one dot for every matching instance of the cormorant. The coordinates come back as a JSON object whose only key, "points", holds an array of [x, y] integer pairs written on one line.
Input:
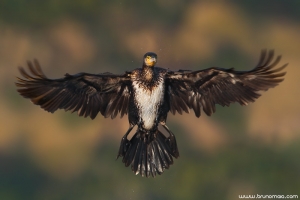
{"points": [[147, 95]]}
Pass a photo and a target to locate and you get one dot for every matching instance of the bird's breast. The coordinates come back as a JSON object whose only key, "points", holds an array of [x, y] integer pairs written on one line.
{"points": [[148, 100]]}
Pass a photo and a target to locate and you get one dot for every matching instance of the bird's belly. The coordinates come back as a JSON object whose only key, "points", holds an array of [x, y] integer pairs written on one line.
{"points": [[148, 102]]}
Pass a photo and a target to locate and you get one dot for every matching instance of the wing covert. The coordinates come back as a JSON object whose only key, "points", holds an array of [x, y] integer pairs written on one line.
{"points": [[205, 88], [85, 93]]}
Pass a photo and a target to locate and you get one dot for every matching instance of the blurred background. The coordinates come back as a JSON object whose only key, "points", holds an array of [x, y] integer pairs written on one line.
{"points": [[239, 150]]}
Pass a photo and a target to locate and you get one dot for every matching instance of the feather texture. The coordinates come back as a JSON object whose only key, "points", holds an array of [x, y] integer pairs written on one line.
{"points": [[88, 94], [206, 88], [149, 153]]}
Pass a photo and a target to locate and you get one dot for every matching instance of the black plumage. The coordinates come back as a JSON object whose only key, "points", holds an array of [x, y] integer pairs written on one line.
{"points": [[146, 95]]}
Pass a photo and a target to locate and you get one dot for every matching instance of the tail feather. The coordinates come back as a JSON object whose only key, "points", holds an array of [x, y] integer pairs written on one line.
{"points": [[166, 151], [149, 153], [138, 158]]}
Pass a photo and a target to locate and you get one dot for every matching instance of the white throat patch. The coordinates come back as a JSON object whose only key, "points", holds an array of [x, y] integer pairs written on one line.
{"points": [[148, 102]]}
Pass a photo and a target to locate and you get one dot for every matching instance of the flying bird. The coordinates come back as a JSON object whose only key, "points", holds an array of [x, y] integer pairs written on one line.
{"points": [[147, 95]]}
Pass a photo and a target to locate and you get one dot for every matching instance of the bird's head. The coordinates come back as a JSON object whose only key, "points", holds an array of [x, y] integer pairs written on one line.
{"points": [[150, 59]]}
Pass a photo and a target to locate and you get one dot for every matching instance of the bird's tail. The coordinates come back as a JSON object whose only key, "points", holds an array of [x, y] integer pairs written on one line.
{"points": [[149, 153]]}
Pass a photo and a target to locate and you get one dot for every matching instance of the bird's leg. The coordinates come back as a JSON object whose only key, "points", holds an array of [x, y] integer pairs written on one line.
{"points": [[125, 142], [171, 140]]}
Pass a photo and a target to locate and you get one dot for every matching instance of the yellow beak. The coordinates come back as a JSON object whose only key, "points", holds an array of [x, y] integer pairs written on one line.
{"points": [[150, 61]]}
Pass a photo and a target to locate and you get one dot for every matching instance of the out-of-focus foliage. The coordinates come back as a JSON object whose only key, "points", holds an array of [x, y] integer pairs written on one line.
{"points": [[239, 150]]}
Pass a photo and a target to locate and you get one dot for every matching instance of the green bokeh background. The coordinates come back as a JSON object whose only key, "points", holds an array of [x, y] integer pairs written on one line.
{"points": [[237, 151]]}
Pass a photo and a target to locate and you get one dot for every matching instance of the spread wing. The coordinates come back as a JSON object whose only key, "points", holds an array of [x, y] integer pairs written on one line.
{"points": [[85, 93], [205, 88]]}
